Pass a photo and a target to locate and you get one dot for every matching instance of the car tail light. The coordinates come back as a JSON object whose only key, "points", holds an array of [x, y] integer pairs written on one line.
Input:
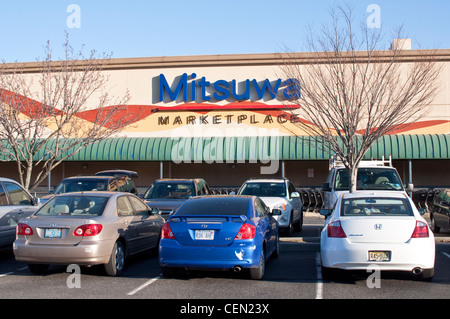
{"points": [[421, 230], [335, 230], [247, 231], [88, 230], [23, 229], [166, 232]]}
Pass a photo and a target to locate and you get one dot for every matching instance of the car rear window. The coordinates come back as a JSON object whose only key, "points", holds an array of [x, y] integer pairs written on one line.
{"points": [[82, 185], [264, 189], [376, 207], [170, 190], [84, 206], [214, 206], [373, 178]]}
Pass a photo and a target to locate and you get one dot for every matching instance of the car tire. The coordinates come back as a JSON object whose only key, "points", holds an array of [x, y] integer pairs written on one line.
{"points": [[426, 275], [434, 228], [258, 272], [170, 272], [38, 269], [276, 252], [116, 263], [290, 229]]}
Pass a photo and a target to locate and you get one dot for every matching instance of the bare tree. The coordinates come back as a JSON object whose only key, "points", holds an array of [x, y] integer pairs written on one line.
{"points": [[352, 92], [51, 110]]}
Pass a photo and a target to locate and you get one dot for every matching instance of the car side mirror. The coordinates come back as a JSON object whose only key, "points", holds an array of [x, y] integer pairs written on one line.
{"points": [[155, 211], [275, 212], [409, 187], [326, 187], [295, 195], [36, 201], [325, 212]]}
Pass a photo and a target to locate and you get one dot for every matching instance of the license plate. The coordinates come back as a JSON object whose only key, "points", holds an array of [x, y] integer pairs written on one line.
{"points": [[52, 233], [201, 234], [379, 255]]}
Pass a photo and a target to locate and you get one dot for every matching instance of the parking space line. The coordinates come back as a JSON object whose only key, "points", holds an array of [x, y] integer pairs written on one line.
{"points": [[446, 254], [131, 293], [319, 283], [12, 272], [6, 274]]}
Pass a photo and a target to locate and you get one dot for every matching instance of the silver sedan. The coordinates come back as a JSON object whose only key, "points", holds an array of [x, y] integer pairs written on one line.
{"points": [[87, 228]]}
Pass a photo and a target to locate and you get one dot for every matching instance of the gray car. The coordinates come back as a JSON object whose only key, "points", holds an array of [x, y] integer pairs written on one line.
{"points": [[87, 228], [167, 195], [15, 203]]}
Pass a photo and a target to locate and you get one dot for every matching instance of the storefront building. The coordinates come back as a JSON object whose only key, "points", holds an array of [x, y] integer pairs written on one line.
{"points": [[224, 118]]}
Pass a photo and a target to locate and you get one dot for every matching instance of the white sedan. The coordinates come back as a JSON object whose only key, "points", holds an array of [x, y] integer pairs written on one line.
{"points": [[381, 229]]}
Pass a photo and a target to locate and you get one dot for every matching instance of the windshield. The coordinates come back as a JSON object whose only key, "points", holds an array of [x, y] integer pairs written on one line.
{"points": [[74, 206], [376, 207], [173, 190], [214, 206], [264, 189], [81, 185], [372, 178]]}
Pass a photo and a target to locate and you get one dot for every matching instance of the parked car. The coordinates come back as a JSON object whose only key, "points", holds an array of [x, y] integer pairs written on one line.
{"points": [[219, 232], [375, 175], [440, 211], [15, 203], [278, 193], [167, 194], [111, 183], [383, 229], [117, 172], [87, 228]]}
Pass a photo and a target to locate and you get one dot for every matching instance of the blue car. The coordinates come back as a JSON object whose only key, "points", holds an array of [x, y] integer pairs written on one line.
{"points": [[219, 232]]}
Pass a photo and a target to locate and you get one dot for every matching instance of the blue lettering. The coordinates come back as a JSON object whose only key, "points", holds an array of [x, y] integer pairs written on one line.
{"points": [[266, 87], [193, 88], [245, 95], [222, 90], [293, 89], [173, 95], [203, 84], [221, 87]]}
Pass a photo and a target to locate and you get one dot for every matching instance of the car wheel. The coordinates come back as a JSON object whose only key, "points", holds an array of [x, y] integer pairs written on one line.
{"points": [[434, 228], [38, 269], [426, 274], [276, 252], [258, 273], [170, 272], [290, 228], [116, 263]]}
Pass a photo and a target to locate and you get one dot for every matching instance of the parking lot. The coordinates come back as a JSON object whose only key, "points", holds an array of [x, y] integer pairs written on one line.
{"points": [[295, 274]]}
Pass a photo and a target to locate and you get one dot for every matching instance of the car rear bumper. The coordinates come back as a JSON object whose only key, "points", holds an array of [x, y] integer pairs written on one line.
{"points": [[340, 253], [84, 253], [245, 254]]}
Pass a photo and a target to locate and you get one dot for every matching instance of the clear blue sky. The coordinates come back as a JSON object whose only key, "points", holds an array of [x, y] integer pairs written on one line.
{"points": [[142, 28]]}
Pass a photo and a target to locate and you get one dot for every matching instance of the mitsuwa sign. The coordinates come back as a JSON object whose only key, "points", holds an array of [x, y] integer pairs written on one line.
{"points": [[191, 88]]}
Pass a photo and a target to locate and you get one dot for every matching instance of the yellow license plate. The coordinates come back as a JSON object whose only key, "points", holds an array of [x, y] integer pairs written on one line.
{"points": [[379, 255]]}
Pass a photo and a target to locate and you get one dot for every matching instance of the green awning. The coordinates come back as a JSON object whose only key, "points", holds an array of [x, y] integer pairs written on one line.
{"points": [[253, 148]]}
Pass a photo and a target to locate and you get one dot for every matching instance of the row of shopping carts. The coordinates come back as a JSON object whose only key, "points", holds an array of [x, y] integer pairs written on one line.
{"points": [[423, 197]]}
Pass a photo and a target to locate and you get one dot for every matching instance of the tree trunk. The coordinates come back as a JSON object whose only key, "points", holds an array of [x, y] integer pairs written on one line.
{"points": [[352, 174]]}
